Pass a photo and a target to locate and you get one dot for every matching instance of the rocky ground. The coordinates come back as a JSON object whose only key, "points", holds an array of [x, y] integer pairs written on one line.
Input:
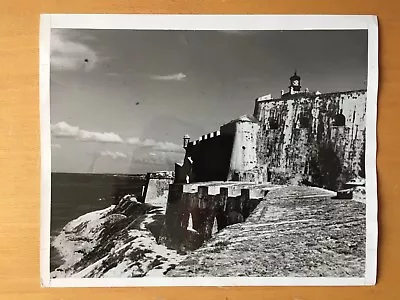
{"points": [[295, 231], [119, 241]]}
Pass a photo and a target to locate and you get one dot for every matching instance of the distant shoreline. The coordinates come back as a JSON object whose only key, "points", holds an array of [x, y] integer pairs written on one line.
{"points": [[75, 194]]}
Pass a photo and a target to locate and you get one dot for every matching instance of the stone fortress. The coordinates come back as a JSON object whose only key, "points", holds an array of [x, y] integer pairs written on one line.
{"points": [[265, 195], [302, 138]]}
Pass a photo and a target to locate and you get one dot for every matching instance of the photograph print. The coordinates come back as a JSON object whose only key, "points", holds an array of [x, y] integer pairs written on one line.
{"points": [[232, 154]]}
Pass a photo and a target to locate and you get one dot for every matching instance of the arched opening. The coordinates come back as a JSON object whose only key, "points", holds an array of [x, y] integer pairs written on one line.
{"points": [[190, 222], [340, 120], [235, 176], [273, 124], [214, 228], [304, 122]]}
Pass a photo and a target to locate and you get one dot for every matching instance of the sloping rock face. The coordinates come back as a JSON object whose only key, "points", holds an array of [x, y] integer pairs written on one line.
{"points": [[119, 241], [294, 231]]}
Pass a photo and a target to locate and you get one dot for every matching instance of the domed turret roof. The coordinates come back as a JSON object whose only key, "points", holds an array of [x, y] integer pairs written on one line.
{"points": [[295, 76], [245, 118]]}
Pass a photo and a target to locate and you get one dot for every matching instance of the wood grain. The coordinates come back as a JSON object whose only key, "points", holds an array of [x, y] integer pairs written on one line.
{"points": [[20, 157]]}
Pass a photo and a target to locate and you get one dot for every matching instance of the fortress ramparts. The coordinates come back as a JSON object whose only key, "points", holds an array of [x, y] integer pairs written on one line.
{"points": [[318, 138], [302, 137]]}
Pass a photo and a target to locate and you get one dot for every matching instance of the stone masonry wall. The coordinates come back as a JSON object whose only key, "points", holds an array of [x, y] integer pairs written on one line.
{"points": [[211, 206], [319, 138], [244, 152]]}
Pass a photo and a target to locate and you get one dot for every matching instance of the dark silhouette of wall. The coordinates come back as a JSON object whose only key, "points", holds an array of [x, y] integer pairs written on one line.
{"points": [[227, 154], [206, 160], [211, 158]]}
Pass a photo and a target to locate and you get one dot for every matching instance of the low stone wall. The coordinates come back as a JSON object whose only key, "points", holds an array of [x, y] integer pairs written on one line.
{"points": [[208, 205], [156, 189]]}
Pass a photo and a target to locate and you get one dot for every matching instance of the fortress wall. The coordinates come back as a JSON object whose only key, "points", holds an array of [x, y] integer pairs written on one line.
{"points": [[209, 211], [227, 154], [210, 157], [299, 136], [157, 192], [156, 188], [206, 159], [244, 154]]}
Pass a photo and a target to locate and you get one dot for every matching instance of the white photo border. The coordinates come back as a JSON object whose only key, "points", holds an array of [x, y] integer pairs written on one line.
{"points": [[210, 22]]}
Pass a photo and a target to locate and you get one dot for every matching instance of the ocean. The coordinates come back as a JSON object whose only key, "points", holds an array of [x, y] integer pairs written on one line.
{"points": [[73, 195]]}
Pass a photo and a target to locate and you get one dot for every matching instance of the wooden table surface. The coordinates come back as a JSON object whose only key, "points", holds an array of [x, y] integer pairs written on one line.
{"points": [[20, 157]]}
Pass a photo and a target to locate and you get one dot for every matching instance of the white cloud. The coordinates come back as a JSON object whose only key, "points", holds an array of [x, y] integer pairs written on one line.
{"points": [[63, 129], [168, 147], [159, 158], [105, 137], [171, 77], [156, 146], [150, 152], [114, 155], [133, 141], [68, 53]]}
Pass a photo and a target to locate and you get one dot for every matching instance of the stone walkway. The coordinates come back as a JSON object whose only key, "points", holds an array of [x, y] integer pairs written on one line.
{"points": [[294, 231]]}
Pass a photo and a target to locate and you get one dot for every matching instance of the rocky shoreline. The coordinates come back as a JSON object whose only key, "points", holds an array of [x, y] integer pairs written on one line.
{"points": [[119, 241]]}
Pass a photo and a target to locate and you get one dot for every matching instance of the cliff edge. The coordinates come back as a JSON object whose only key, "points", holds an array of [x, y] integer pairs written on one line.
{"points": [[119, 241]]}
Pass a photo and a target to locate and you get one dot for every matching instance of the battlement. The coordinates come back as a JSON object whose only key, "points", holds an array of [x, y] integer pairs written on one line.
{"points": [[207, 136], [212, 206], [310, 94]]}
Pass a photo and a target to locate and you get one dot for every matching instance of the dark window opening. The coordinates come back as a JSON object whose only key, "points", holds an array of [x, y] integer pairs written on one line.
{"points": [[340, 120], [273, 124], [304, 122]]}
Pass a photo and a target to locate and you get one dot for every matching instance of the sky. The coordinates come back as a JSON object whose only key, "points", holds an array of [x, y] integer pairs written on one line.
{"points": [[121, 100]]}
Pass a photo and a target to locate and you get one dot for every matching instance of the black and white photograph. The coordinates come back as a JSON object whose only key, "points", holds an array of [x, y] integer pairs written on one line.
{"points": [[195, 154]]}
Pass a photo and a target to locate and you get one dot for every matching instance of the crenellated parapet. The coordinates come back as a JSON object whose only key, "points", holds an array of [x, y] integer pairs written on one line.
{"points": [[205, 137], [196, 211]]}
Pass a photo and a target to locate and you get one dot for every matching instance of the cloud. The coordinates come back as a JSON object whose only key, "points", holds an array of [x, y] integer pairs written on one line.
{"points": [[156, 146], [105, 137], [150, 152], [170, 77], [68, 53], [159, 158], [133, 141], [168, 147], [64, 130], [114, 155]]}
